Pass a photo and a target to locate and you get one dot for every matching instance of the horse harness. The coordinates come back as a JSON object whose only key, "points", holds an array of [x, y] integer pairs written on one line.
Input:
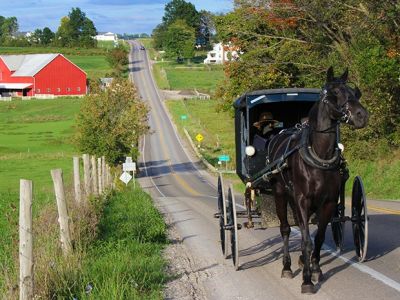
{"points": [[302, 132]]}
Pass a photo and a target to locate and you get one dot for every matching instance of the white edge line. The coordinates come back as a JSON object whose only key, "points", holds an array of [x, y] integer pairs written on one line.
{"points": [[359, 266]]}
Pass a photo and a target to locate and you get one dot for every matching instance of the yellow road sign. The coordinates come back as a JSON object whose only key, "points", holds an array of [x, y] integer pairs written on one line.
{"points": [[199, 137]]}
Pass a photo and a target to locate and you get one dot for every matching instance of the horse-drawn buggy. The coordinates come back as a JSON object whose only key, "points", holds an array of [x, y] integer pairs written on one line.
{"points": [[289, 157]]}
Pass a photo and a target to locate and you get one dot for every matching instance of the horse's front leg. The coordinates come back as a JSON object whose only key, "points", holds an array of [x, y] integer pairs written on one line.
{"points": [[325, 216], [303, 211], [281, 211]]}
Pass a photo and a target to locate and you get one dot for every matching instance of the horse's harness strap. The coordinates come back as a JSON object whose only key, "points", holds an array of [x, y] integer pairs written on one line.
{"points": [[309, 156]]}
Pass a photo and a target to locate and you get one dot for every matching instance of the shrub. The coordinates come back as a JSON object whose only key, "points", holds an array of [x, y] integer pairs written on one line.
{"points": [[111, 121]]}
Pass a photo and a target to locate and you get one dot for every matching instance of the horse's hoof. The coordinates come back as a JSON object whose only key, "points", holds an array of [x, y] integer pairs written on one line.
{"points": [[308, 289], [301, 262], [287, 274], [317, 276]]}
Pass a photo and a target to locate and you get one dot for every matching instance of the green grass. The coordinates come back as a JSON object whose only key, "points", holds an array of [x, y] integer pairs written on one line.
{"points": [[35, 138], [181, 77], [105, 44], [217, 128], [186, 76], [126, 262], [95, 66]]}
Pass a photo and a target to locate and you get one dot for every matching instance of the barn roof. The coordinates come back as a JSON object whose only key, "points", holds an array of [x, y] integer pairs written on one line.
{"points": [[28, 64]]}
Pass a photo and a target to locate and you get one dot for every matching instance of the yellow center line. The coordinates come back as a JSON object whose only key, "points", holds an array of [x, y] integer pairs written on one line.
{"points": [[165, 152], [384, 210], [380, 209]]}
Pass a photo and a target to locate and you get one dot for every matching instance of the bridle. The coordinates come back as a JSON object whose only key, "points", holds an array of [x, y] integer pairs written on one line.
{"points": [[342, 110]]}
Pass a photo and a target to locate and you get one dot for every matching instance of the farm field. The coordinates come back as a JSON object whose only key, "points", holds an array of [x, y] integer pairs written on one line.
{"points": [[183, 77], [95, 66], [380, 176], [35, 138]]}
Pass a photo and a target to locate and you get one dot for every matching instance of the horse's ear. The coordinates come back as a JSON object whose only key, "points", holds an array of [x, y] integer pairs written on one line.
{"points": [[345, 75], [357, 93], [329, 75]]}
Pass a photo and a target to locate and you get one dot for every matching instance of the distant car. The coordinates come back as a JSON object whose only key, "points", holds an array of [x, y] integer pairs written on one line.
{"points": [[142, 48]]}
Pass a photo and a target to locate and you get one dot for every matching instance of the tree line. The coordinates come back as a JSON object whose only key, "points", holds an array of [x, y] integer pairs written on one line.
{"points": [[291, 43], [75, 30], [182, 29]]}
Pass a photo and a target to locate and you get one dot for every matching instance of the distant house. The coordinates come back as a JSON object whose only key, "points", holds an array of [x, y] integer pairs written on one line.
{"points": [[35, 74], [106, 36], [222, 53]]}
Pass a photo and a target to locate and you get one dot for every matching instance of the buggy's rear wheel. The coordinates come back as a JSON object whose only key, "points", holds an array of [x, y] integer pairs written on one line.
{"points": [[222, 214], [359, 218], [232, 223]]}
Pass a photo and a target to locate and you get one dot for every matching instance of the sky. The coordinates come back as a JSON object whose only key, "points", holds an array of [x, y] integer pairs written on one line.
{"points": [[118, 16]]}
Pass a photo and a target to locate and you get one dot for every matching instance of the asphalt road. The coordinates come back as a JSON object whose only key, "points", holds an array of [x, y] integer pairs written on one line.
{"points": [[188, 195]]}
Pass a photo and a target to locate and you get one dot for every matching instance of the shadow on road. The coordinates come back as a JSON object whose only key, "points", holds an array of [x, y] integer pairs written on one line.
{"points": [[162, 167]]}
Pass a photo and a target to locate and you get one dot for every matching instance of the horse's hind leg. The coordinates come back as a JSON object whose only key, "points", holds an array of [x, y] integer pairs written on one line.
{"points": [[325, 216], [281, 211]]}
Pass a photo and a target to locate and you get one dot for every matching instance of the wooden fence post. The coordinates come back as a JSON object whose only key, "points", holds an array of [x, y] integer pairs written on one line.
{"points": [[103, 172], [95, 188], [63, 219], [77, 180], [26, 282], [99, 175], [86, 173]]}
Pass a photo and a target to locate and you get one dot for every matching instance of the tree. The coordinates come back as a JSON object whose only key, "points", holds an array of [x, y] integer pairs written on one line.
{"points": [[47, 36], [290, 43], [9, 27], [206, 28], [118, 59], [111, 122], [181, 10], [158, 36], [76, 30], [179, 40], [64, 33], [36, 36]]}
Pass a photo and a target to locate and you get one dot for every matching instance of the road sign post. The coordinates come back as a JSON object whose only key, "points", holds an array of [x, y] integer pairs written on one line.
{"points": [[199, 138], [226, 159]]}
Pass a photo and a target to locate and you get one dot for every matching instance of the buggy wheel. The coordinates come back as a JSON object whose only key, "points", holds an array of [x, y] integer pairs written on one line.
{"points": [[359, 218], [338, 230], [337, 225], [222, 214], [233, 227]]}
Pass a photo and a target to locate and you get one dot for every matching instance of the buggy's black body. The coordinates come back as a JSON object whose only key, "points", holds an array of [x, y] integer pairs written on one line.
{"points": [[289, 106]]}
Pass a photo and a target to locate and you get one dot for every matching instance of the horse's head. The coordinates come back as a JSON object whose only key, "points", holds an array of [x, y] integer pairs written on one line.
{"points": [[343, 101]]}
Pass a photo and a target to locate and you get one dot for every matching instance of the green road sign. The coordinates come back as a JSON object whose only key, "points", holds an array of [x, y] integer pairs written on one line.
{"points": [[224, 158]]}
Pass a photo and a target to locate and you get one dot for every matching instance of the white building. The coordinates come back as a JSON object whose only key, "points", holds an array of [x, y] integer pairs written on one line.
{"points": [[221, 53], [106, 36]]}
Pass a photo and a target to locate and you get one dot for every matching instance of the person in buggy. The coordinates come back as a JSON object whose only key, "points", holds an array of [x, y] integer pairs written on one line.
{"points": [[265, 130]]}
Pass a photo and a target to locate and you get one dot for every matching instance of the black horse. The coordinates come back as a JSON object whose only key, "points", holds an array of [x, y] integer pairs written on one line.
{"points": [[311, 178]]}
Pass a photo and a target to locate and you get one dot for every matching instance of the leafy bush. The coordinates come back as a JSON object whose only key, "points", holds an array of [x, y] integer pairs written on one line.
{"points": [[111, 121]]}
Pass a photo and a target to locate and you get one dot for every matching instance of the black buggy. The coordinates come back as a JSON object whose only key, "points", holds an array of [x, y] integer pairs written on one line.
{"points": [[289, 108]]}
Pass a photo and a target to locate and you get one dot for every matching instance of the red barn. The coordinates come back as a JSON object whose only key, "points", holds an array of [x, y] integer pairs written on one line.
{"points": [[33, 74]]}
